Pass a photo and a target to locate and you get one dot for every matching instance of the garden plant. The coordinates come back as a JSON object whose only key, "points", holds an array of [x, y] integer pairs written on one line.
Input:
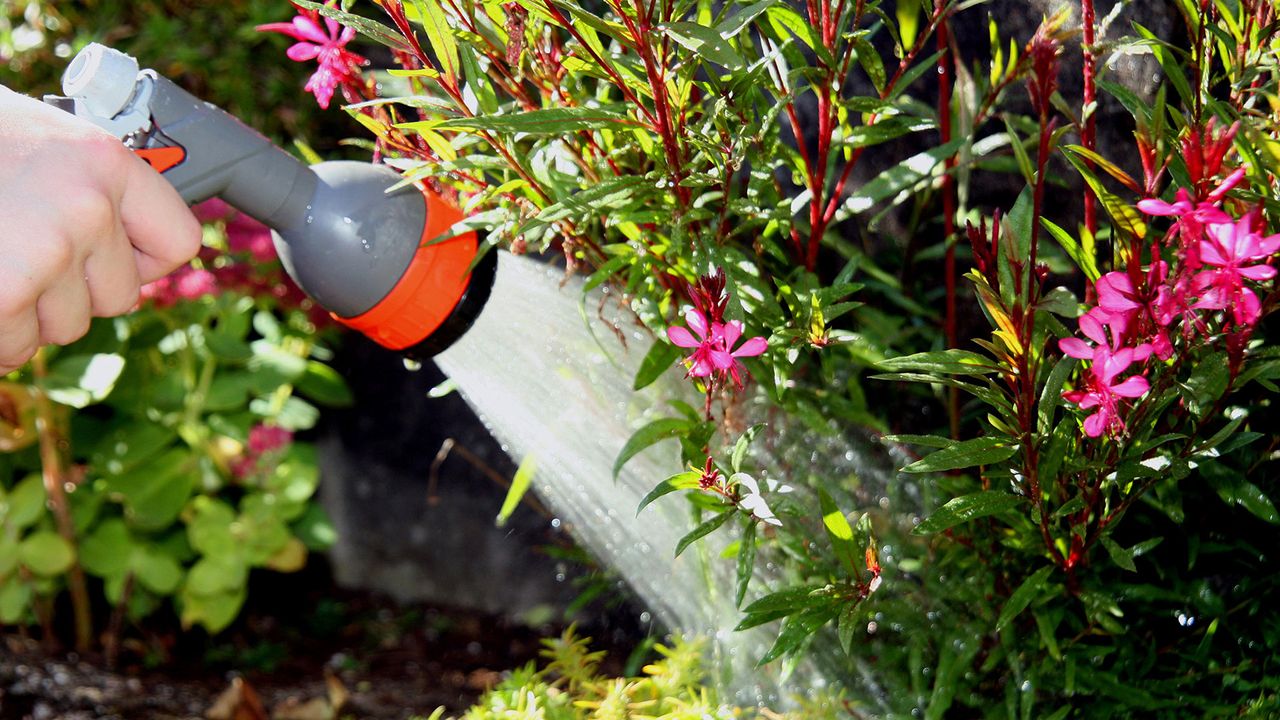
{"points": [[840, 209]]}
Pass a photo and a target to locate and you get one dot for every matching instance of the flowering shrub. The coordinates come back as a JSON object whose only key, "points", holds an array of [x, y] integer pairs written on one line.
{"points": [[154, 460], [664, 148]]}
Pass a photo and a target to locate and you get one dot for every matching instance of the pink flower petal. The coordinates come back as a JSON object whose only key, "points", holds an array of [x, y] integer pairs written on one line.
{"points": [[286, 28], [1091, 326], [730, 332], [309, 30], [696, 322], [302, 51], [1076, 348], [1155, 206], [682, 337], [1246, 307], [1133, 386], [1095, 424], [1258, 272], [751, 348], [721, 359], [1227, 183]]}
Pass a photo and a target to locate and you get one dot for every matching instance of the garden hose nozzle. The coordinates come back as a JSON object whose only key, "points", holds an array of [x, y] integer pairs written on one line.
{"points": [[373, 257]]}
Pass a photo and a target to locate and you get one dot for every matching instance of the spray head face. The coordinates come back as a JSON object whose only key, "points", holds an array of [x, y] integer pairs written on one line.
{"points": [[384, 261]]}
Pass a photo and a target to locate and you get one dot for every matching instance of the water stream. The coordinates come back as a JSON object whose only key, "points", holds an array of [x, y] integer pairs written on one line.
{"points": [[550, 378]]}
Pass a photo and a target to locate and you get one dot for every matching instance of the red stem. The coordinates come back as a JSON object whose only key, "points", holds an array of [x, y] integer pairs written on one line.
{"points": [[1088, 133]]}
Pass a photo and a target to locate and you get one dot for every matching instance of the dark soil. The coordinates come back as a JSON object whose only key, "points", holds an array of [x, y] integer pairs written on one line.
{"points": [[294, 648]]}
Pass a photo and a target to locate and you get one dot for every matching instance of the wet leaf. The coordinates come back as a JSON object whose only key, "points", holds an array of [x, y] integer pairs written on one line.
{"points": [[840, 533], [703, 530], [706, 42], [82, 380], [964, 454], [651, 434], [746, 561], [324, 385], [797, 629], [949, 362], [550, 121], [965, 508], [900, 177], [660, 358], [519, 486], [1120, 556], [1022, 597], [682, 481]]}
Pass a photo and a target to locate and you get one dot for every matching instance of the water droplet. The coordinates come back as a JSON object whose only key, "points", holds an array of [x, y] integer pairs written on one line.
{"points": [[872, 627], [646, 617], [1026, 686], [412, 365], [311, 219], [560, 577], [555, 522]]}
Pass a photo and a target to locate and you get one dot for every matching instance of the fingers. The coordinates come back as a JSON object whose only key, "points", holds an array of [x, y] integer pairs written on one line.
{"points": [[159, 224], [63, 311], [20, 339], [112, 274]]}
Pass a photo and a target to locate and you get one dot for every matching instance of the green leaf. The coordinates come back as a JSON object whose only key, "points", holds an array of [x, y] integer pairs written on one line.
{"points": [[901, 177], [746, 561], [371, 29], [25, 503], [682, 481], [1084, 258], [1111, 168], [965, 508], [155, 492], [15, 598], [1121, 557], [884, 131], [704, 41], [870, 61], [156, 570], [660, 358], [82, 380], [1023, 596], [1051, 395], [742, 445], [796, 629], [650, 434], [439, 35], [948, 362], [839, 531], [324, 385], [214, 611], [213, 574], [703, 530], [964, 454], [848, 626], [519, 486], [786, 600], [107, 550], [46, 553], [549, 121], [1235, 489]]}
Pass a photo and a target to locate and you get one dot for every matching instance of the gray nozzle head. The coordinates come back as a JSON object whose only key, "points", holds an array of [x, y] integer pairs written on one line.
{"points": [[103, 78]]}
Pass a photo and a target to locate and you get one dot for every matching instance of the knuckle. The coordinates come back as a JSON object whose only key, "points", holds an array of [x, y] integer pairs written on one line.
{"points": [[17, 297], [118, 303], [89, 208]]}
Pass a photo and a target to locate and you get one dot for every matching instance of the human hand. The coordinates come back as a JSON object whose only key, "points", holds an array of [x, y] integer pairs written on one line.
{"points": [[83, 224]]}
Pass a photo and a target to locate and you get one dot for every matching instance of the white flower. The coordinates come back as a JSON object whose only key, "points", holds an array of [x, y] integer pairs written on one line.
{"points": [[753, 501]]}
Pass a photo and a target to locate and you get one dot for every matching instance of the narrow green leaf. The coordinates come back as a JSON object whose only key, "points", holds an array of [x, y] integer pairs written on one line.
{"points": [[964, 454], [1111, 168], [650, 434], [965, 508], [1023, 596], [848, 626], [884, 131], [1235, 489], [839, 531], [742, 445], [440, 36], [738, 22], [519, 486], [681, 481], [950, 362], [1085, 260], [901, 177], [936, 441], [324, 385], [746, 561], [703, 530], [704, 41], [548, 121], [1121, 557], [870, 61], [796, 630], [660, 358], [1051, 395], [786, 600]]}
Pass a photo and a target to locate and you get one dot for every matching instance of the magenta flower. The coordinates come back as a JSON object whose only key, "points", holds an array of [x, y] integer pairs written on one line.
{"points": [[706, 342], [725, 358], [1235, 252], [262, 451], [1099, 387], [1184, 206], [326, 45], [1102, 392]]}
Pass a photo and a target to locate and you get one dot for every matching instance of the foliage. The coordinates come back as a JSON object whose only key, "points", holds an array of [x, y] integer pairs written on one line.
{"points": [[155, 454], [210, 49], [571, 687], [1119, 556]]}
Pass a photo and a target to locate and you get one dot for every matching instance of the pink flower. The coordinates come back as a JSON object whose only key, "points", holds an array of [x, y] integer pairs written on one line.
{"points": [[725, 358], [1099, 387], [264, 441], [1237, 253], [337, 64], [1101, 391], [185, 283], [706, 342]]}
